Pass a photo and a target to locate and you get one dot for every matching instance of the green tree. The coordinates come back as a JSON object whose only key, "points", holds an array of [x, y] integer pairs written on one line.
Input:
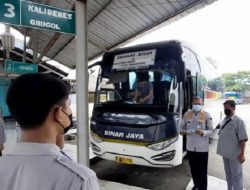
{"points": [[216, 84], [239, 81]]}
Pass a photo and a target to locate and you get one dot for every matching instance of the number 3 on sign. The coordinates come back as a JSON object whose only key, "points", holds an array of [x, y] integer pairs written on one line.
{"points": [[10, 9]]}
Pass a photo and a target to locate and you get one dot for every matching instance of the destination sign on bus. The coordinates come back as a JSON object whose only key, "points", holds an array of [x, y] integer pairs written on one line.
{"points": [[134, 60]]}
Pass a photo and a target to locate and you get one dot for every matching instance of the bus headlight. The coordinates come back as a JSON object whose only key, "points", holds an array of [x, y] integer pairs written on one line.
{"points": [[163, 145]]}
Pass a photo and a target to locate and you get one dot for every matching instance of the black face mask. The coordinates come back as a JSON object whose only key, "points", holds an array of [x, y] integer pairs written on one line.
{"points": [[66, 129], [227, 112]]}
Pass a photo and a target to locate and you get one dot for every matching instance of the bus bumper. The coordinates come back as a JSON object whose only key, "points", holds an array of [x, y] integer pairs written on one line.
{"points": [[140, 155]]}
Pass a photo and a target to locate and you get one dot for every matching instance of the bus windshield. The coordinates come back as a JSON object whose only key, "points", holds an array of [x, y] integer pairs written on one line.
{"points": [[136, 87]]}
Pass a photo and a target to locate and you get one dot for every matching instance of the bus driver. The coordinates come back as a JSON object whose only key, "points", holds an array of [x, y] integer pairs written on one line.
{"points": [[143, 89]]}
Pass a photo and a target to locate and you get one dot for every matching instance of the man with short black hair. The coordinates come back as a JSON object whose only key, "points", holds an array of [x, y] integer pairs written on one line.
{"points": [[144, 93], [40, 103], [231, 145]]}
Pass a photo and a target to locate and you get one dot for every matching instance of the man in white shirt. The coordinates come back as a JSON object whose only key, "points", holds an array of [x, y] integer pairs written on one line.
{"points": [[197, 126], [231, 146], [40, 104]]}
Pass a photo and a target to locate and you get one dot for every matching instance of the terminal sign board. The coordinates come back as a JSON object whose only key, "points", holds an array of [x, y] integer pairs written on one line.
{"points": [[19, 67], [35, 15]]}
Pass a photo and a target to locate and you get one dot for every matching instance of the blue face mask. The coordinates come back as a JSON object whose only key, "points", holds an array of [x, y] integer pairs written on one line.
{"points": [[197, 107]]}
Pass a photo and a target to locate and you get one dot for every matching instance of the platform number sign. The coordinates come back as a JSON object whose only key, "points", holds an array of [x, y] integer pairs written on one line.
{"points": [[35, 15], [10, 11]]}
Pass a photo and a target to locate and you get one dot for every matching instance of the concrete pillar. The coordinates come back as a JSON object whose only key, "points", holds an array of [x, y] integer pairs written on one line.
{"points": [[82, 83]]}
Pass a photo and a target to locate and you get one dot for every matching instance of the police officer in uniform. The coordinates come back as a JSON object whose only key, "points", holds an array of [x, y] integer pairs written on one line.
{"points": [[197, 126], [40, 104], [231, 146]]}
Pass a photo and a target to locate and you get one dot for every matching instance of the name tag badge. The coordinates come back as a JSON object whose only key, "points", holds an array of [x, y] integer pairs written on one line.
{"points": [[201, 121]]}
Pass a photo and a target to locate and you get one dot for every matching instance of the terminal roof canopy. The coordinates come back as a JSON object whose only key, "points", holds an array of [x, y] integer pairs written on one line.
{"points": [[111, 23]]}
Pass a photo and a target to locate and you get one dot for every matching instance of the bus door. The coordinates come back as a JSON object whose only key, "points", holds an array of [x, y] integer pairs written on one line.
{"points": [[174, 96], [188, 92]]}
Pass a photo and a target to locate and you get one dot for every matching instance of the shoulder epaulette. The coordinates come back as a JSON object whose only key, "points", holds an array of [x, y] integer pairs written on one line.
{"points": [[202, 117], [78, 169]]}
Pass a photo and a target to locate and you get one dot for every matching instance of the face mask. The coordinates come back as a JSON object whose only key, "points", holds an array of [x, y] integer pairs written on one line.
{"points": [[66, 129], [197, 108], [227, 112]]}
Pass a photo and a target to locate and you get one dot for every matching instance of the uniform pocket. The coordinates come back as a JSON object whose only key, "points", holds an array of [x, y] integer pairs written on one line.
{"points": [[201, 125]]}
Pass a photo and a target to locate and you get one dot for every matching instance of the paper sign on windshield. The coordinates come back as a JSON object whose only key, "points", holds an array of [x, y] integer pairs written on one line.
{"points": [[134, 60]]}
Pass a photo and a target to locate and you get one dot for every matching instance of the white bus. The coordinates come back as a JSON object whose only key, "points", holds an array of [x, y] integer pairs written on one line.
{"points": [[139, 133]]}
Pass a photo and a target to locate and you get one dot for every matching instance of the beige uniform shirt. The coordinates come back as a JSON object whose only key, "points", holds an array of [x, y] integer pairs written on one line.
{"points": [[230, 136], [35, 166], [192, 121]]}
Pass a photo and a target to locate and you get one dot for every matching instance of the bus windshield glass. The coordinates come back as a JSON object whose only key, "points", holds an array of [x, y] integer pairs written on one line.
{"points": [[148, 87]]}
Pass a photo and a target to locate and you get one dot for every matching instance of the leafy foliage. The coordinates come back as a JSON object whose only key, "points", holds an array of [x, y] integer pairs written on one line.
{"points": [[239, 81], [216, 84]]}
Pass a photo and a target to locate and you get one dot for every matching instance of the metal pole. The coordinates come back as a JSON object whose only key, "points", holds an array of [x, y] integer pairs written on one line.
{"points": [[34, 44], [24, 46], [7, 30], [82, 83]]}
